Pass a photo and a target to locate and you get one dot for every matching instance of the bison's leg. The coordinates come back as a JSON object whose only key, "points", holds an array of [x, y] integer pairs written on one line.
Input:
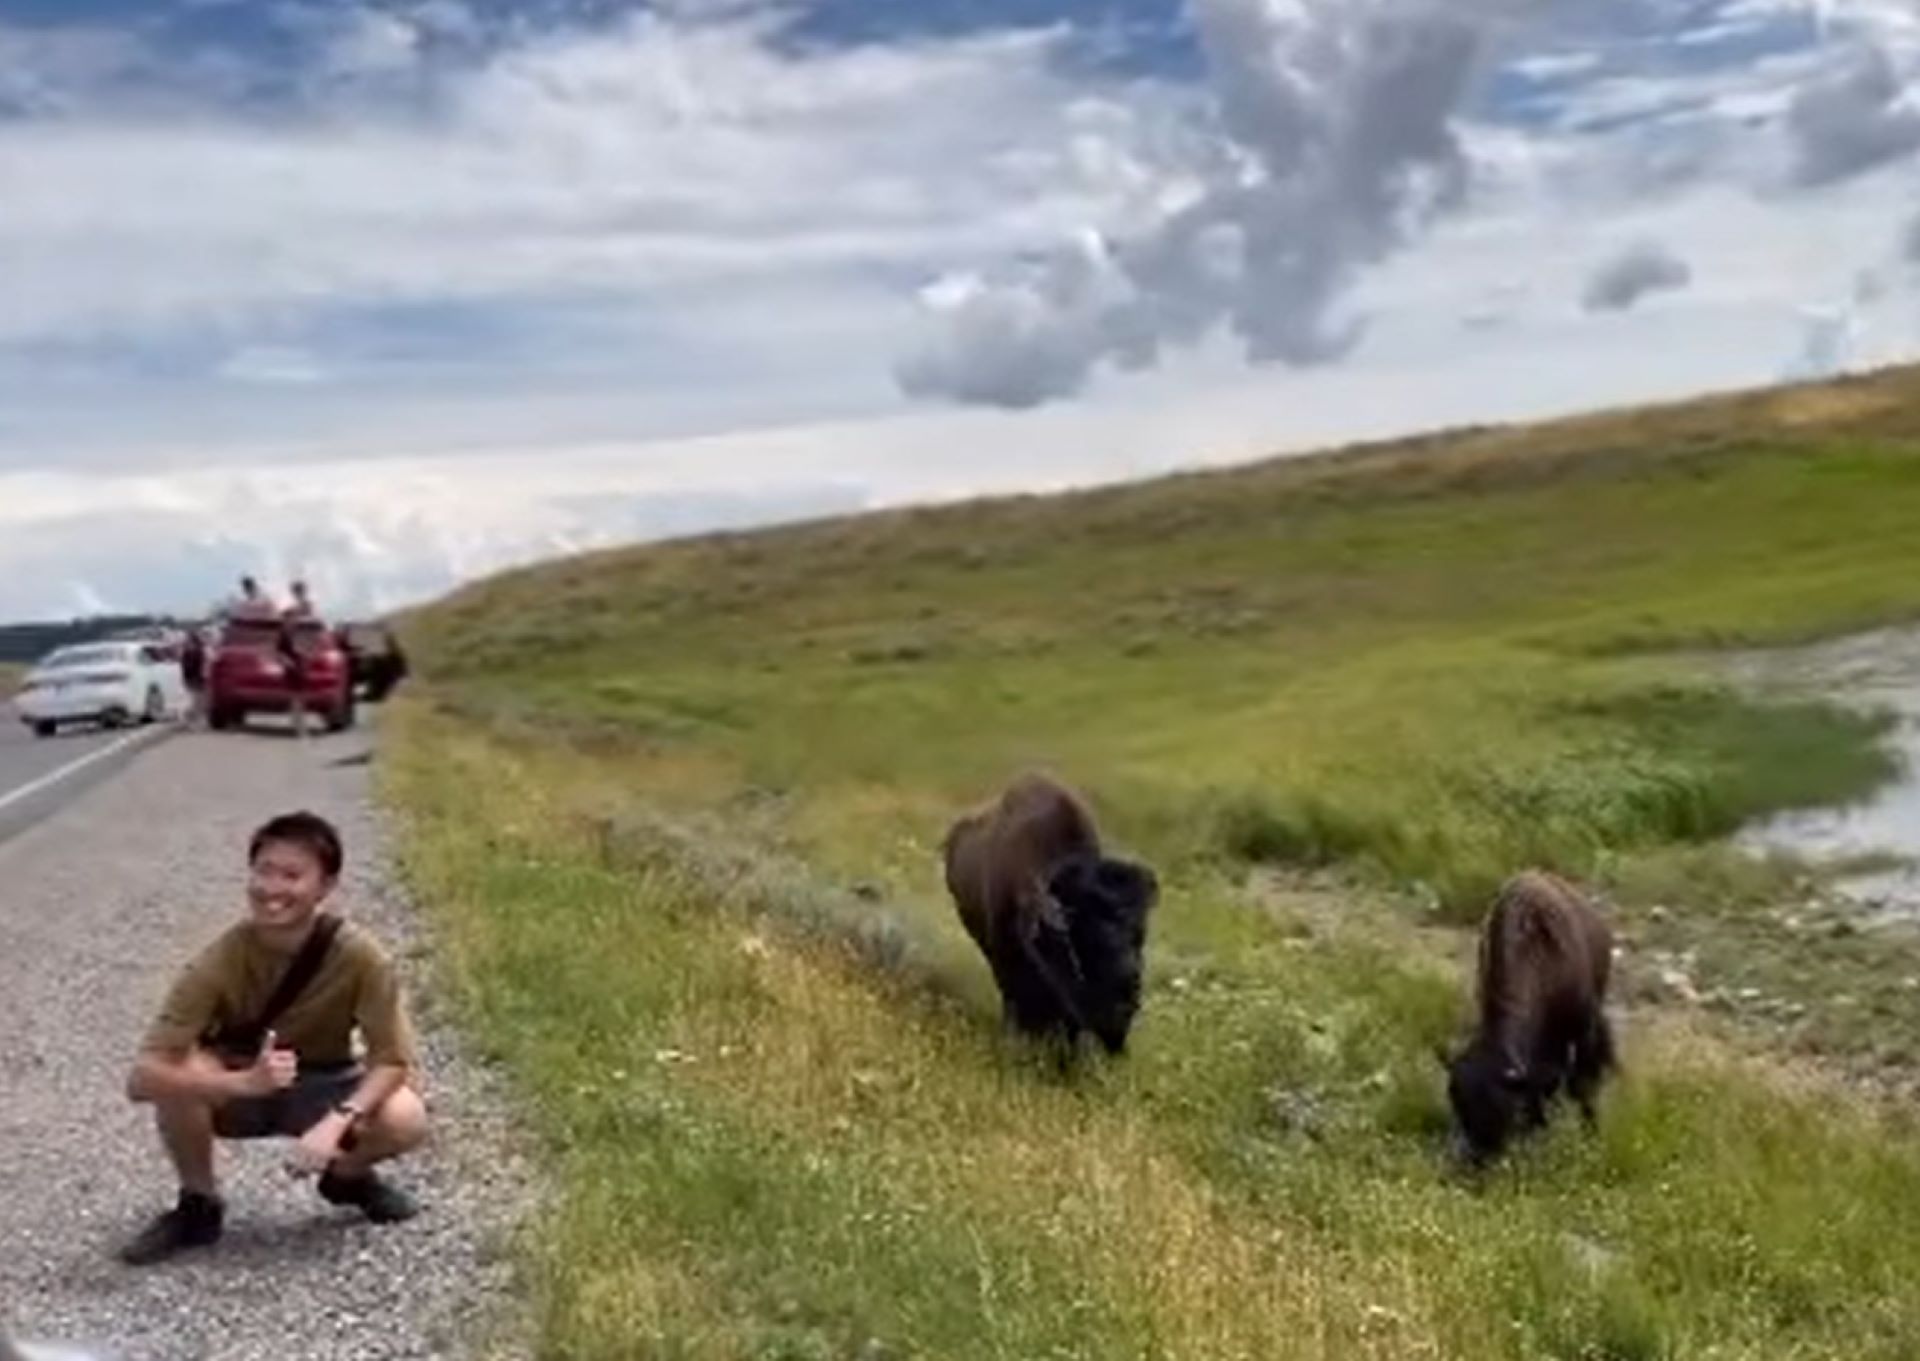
{"points": [[1593, 1058], [1031, 1005], [1049, 969], [1023, 1006]]}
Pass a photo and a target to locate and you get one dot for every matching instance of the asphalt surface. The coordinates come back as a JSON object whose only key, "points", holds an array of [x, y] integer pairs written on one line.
{"points": [[40, 775]]}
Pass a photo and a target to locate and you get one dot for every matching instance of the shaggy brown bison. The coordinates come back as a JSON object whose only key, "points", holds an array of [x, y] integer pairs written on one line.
{"points": [[1062, 925], [1545, 956]]}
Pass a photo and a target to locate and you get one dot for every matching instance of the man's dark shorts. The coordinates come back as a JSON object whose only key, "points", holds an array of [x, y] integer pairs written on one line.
{"points": [[290, 1113]]}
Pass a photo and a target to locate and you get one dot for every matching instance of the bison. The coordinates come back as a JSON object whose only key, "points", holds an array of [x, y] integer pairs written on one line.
{"points": [[1062, 924], [1545, 956]]}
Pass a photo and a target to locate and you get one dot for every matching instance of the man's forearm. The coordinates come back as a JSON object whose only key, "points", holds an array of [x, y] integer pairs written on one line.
{"points": [[157, 1078]]}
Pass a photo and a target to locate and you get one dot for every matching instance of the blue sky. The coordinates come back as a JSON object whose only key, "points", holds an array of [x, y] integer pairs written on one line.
{"points": [[570, 271]]}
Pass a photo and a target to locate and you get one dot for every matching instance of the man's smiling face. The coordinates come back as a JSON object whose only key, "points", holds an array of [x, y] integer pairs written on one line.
{"points": [[286, 884]]}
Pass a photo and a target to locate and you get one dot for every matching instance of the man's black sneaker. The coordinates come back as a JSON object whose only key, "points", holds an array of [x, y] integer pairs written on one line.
{"points": [[377, 1200], [194, 1222]]}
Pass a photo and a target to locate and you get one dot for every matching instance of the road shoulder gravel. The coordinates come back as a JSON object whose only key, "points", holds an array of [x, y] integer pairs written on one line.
{"points": [[101, 904]]}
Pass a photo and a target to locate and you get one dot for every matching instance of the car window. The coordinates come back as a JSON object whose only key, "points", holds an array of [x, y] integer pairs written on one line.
{"points": [[69, 657], [250, 634], [308, 634]]}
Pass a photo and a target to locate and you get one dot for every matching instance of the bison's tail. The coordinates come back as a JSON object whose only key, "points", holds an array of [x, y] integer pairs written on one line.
{"points": [[1605, 1054]]}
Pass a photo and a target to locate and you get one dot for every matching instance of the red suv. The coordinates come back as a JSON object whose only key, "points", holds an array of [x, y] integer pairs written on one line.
{"points": [[247, 673]]}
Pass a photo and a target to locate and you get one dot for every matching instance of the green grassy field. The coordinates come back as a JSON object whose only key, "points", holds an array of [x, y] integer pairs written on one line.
{"points": [[676, 814]]}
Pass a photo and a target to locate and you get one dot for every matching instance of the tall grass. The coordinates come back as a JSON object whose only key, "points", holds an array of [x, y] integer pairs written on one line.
{"points": [[773, 1143], [679, 811]]}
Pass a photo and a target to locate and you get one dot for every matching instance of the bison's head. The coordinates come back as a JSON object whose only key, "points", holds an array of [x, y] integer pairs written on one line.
{"points": [[1488, 1094], [1107, 903]]}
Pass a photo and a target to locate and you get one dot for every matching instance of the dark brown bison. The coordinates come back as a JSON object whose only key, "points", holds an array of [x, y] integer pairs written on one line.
{"points": [[1062, 924], [1545, 956]]}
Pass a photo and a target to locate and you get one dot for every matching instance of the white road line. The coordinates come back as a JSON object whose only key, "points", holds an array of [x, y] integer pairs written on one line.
{"points": [[32, 787]]}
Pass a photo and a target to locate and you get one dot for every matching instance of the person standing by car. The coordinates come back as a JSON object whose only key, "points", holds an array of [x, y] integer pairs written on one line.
{"points": [[293, 660], [193, 673], [292, 651]]}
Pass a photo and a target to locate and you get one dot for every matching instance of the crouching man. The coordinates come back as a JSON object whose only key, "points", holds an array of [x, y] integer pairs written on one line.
{"points": [[255, 1041]]}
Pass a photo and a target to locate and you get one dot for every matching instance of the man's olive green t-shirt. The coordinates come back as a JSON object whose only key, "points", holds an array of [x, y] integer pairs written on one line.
{"points": [[356, 987]]}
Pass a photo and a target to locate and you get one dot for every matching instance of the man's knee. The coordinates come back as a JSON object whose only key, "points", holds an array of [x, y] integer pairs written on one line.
{"points": [[401, 1122], [199, 1065]]}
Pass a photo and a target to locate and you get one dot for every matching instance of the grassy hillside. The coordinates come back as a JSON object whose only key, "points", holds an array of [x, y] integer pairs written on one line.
{"points": [[678, 811]]}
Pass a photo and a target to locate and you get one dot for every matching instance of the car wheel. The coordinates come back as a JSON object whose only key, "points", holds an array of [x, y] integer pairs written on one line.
{"points": [[116, 718], [44, 729], [220, 718]]}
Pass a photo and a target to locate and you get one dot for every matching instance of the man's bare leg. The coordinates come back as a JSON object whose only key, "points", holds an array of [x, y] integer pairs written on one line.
{"points": [[397, 1127], [186, 1128]]}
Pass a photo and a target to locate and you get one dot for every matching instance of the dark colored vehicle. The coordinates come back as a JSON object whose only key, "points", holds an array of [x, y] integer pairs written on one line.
{"points": [[375, 659], [248, 672]]}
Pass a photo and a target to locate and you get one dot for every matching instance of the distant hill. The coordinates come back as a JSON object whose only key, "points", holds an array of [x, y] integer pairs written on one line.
{"points": [[28, 642]]}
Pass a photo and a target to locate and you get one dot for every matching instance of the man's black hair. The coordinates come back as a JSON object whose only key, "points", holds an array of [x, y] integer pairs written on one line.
{"points": [[306, 829]]}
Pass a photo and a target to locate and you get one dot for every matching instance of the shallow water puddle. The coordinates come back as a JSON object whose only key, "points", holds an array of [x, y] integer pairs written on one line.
{"points": [[1875, 671]]}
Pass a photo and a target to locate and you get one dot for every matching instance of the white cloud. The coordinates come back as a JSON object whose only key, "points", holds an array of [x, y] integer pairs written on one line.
{"points": [[1336, 120], [1555, 66], [272, 364], [1348, 132], [372, 43], [378, 532], [1827, 344], [626, 163]]}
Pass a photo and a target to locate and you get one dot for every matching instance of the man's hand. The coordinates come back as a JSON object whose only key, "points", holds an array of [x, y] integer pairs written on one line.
{"points": [[318, 1147], [272, 1072]]}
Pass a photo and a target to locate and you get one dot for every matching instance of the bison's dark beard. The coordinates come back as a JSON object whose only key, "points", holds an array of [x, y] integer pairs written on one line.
{"points": [[1106, 903]]}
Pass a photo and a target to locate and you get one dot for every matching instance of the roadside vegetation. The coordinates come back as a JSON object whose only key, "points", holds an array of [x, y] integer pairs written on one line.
{"points": [[677, 810]]}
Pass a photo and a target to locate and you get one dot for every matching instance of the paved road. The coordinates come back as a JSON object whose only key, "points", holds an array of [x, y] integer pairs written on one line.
{"points": [[41, 774]]}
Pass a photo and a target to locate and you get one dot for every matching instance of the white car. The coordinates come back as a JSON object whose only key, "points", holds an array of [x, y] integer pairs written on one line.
{"points": [[113, 683]]}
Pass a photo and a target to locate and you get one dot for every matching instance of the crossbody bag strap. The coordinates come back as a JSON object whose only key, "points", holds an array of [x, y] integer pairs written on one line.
{"points": [[299, 973]]}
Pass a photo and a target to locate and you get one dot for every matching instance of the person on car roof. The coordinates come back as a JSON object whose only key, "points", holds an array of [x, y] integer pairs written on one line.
{"points": [[251, 603]]}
